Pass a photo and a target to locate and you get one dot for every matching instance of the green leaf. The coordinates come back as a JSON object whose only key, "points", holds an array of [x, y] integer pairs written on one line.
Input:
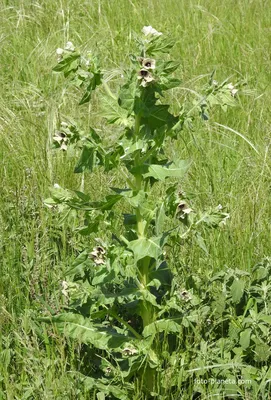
{"points": [[162, 274], [201, 243], [245, 338], [79, 264], [214, 218], [86, 96], [169, 83], [159, 116], [237, 290], [129, 146], [107, 204], [153, 359], [163, 325], [94, 81], [137, 198], [111, 200], [66, 63], [159, 44], [86, 161], [262, 351], [265, 318], [219, 305], [160, 219], [82, 329], [5, 357], [173, 170], [94, 137], [154, 283], [234, 331], [127, 96], [106, 387], [149, 297], [147, 210], [144, 247], [167, 67], [134, 197], [59, 195], [103, 276], [129, 219], [83, 196], [114, 113]]}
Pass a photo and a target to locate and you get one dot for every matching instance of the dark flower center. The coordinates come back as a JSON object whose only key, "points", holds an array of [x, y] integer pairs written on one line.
{"points": [[143, 72], [182, 206]]}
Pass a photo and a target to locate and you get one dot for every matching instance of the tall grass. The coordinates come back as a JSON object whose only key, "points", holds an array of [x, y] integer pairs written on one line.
{"points": [[231, 37]]}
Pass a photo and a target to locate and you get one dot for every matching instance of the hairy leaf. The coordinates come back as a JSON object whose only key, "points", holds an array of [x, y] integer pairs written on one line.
{"points": [[127, 96], [82, 329], [174, 170], [144, 247], [237, 290], [67, 63], [163, 325], [245, 338]]}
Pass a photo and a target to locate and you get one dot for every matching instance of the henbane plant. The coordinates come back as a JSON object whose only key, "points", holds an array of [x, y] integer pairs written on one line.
{"points": [[124, 300]]}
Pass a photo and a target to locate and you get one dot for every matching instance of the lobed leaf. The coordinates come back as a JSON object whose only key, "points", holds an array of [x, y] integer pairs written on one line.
{"points": [[84, 330], [173, 170], [144, 247], [127, 96], [237, 290], [163, 325], [67, 63]]}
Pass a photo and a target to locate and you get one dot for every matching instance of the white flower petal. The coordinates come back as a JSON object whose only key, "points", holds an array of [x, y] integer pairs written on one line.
{"points": [[59, 51], [149, 30], [230, 86], [69, 46]]}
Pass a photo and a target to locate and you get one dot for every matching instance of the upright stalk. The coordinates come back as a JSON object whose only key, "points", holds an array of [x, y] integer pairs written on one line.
{"points": [[146, 307], [138, 183]]}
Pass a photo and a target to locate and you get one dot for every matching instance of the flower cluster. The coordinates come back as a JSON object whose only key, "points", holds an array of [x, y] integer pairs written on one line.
{"points": [[145, 74], [60, 52], [64, 290], [61, 140], [68, 288], [129, 351], [97, 255], [229, 86], [150, 31], [232, 89], [67, 134], [184, 295], [183, 209]]}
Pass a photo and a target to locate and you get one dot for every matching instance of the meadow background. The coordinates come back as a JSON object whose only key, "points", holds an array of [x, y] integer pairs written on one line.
{"points": [[232, 37]]}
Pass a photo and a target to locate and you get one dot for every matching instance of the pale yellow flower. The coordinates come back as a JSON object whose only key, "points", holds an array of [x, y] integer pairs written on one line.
{"points": [[145, 76], [147, 63]]}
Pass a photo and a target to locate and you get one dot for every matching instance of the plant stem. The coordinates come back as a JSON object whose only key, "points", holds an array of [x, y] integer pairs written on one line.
{"points": [[137, 124], [138, 183], [131, 329], [147, 311]]}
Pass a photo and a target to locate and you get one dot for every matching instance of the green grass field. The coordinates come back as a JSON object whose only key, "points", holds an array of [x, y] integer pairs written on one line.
{"points": [[232, 37]]}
